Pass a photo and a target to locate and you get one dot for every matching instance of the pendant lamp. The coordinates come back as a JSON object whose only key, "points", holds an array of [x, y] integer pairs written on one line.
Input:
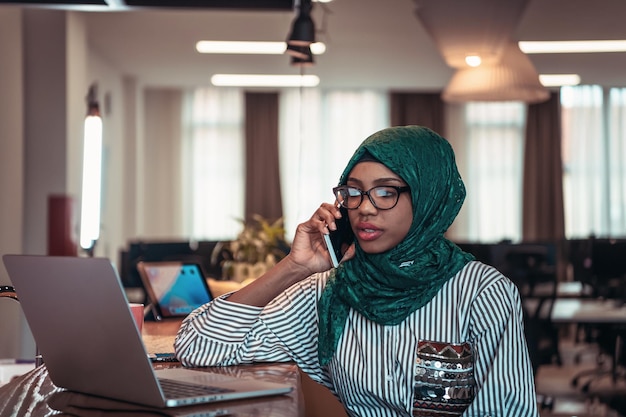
{"points": [[462, 28], [303, 28], [514, 78]]}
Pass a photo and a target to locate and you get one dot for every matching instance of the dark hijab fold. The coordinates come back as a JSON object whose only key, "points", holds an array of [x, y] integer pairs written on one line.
{"points": [[387, 287]]}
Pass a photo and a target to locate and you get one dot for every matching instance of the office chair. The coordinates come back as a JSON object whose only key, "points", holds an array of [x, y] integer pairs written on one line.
{"points": [[608, 270], [528, 266]]}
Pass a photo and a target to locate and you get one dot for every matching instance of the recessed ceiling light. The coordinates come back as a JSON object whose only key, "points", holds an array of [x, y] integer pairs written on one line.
{"points": [[259, 80], [250, 47], [558, 80], [473, 60], [563, 47]]}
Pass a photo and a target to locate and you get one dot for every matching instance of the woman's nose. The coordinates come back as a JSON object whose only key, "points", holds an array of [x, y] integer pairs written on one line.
{"points": [[367, 207]]}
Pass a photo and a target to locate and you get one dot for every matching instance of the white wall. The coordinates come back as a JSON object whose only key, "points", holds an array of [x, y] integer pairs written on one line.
{"points": [[45, 73], [162, 156], [46, 70], [11, 168]]}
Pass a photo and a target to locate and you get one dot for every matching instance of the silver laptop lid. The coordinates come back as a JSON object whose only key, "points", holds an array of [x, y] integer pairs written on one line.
{"points": [[82, 324]]}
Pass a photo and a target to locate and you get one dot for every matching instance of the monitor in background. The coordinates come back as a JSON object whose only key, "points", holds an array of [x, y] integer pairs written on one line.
{"points": [[175, 289]]}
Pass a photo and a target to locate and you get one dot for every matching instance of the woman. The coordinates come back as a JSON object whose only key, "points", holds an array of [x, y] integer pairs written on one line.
{"points": [[407, 324]]}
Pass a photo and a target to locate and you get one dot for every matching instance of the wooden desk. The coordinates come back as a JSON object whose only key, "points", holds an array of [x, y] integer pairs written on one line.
{"points": [[158, 336], [29, 394]]}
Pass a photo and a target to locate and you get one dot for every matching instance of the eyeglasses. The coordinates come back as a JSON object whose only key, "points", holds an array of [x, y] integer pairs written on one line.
{"points": [[383, 197]]}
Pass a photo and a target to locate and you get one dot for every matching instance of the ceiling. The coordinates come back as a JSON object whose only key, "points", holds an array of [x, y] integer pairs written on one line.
{"points": [[370, 43]]}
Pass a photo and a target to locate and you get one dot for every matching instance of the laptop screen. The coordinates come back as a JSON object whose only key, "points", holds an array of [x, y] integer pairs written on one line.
{"points": [[175, 288]]}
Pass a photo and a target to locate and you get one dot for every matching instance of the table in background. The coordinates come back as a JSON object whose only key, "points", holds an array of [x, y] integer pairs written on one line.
{"points": [[583, 310], [607, 313]]}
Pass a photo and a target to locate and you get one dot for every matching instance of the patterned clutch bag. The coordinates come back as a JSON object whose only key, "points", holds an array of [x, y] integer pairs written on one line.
{"points": [[444, 379]]}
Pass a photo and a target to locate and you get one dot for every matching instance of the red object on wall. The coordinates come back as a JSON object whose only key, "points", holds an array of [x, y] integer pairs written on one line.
{"points": [[61, 240]]}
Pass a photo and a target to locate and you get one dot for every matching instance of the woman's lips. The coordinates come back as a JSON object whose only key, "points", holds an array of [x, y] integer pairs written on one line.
{"points": [[367, 232]]}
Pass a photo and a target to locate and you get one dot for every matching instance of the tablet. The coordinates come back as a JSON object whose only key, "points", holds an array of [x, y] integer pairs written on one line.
{"points": [[174, 289]]}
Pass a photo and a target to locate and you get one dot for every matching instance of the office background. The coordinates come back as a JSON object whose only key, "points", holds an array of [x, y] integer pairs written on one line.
{"points": [[48, 64]]}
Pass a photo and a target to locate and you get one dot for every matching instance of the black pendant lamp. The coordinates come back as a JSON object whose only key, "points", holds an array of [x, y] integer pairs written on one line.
{"points": [[303, 27]]}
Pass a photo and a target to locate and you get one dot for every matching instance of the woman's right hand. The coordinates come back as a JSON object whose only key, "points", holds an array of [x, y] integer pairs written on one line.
{"points": [[308, 248], [308, 255]]}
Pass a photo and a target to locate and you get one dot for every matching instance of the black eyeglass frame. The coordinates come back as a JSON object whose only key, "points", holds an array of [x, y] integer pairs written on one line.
{"points": [[398, 189]]}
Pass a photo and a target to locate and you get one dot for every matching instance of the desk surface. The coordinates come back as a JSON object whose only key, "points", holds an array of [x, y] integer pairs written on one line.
{"points": [[588, 310], [582, 310], [29, 394], [158, 336]]}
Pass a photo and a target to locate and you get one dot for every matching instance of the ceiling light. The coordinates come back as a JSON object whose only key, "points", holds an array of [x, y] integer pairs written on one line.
{"points": [[318, 48], [235, 47], [559, 80], [473, 60], [513, 79], [258, 80], [562, 47], [250, 47], [303, 28]]}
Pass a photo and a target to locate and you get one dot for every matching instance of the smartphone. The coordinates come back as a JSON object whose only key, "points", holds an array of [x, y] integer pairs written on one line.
{"points": [[338, 241]]}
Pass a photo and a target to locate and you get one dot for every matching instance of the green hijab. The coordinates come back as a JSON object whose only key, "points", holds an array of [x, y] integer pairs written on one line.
{"points": [[387, 287]]}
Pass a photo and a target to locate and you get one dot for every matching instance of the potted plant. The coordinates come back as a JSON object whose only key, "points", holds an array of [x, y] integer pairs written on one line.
{"points": [[257, 248]]}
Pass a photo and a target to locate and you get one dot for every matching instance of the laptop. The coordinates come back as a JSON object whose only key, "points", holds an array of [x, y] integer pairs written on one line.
{"points": [[79, 316], [174, 288]]}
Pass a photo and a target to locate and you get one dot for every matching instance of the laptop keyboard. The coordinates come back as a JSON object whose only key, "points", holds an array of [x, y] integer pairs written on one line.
{"points": [[179, 389]]}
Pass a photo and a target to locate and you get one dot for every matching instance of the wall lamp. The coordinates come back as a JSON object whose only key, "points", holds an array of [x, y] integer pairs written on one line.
{"points": [[92, 174]]}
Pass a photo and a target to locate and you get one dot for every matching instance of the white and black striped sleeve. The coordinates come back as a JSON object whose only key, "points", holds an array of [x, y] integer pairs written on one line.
{"points": [[227, 333]]}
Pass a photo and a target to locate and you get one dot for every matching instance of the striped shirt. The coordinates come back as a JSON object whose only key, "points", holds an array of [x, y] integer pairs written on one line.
{"points": [[372, 371]]}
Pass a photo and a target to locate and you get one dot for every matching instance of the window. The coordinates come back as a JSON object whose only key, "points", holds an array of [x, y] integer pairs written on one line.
{"points": [[493, 136], [617, 162], [319, 131], [213, 155], [594, 155]]}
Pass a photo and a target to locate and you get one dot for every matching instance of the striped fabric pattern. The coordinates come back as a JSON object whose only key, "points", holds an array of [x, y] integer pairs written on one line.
{"points": [[373, 370]]}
